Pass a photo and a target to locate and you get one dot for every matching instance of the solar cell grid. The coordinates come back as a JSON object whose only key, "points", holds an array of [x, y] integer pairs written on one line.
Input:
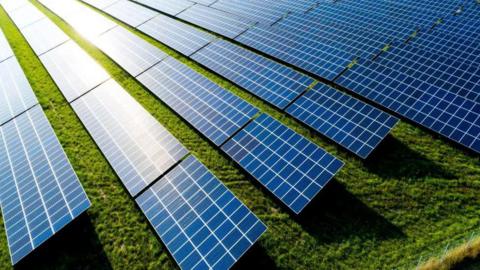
{"points": [[10, 5], [5, 50], [171, 7], [16, 95], [40, 193], [351, 123], [43, 36], [131, 52], [267, 79], [73, 70], [288, 165], [25, 15], [137, 147], [258, 11], [215, 20], [130, 13], [202, 224], [100, 4], [175, 34], [212, 110]]}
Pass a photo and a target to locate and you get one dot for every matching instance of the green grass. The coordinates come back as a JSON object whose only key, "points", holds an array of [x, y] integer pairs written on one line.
{"points": [[414, 194]]}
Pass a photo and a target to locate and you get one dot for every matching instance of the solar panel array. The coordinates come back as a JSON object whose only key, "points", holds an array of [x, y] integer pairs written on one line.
{"points": [[287, 164], [277, 84], [130, 13], [171, 7], [16, 95], [203, 225], [212, 110], [50, 38], [40, 192], [138, 148], [25, 15], [5, 50]]}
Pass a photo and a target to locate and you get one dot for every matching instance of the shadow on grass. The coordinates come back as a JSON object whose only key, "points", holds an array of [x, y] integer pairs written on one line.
{"points": [[394, 159], [74, 247], [336, 215], [255, 258]]}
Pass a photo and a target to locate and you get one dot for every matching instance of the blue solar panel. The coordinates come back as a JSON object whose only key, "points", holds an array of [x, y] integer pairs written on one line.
{"points": [[130, 51], [16, 95], [130, 13], [215, 20], [172, 7], [349, 122], [275, 83], [137, 147], [212, 110], [175, 34], [288, 165], [39, 191], [202, 224], [424, 88], [5, 50], [265, 12]]}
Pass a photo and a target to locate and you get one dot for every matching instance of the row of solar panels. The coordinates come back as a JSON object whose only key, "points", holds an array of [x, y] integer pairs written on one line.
{"points": [[140, 150], [439, 92], [351, 123], [39, 191]]}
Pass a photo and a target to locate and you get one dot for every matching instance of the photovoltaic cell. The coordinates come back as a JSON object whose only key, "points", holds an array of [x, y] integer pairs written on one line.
{"points": [[5, 50], [100, 4], [16, 95], [137, 147], [44, 35], [259, 11], [205, 2], [349, 122], [212, 110], [131, 52], [73, 70], [10, 5], [288, 165], [215, 20], [171, 7], [25, 15], [202, 224], [269, 80], [39, 191], [130, 13], [175, 34]]}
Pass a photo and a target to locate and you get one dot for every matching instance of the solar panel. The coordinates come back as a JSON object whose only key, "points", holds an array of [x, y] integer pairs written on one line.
{"points": [[5, 50], [175, 34], [131, 52], [10, 5], [137, 147], [73, 70], [288, 165], [202, 224], [130, 13], [205, 2], [275, 83], [215, 20], [171, 7], [25, 15], [258, 11], [16, 95], [349, 122], [40, 193], [212, 110], [43, 36], [100, 4], [416, 89]]}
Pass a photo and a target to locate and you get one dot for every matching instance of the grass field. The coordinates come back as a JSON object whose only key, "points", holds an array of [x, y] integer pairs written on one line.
{"points": [[414, 194]]}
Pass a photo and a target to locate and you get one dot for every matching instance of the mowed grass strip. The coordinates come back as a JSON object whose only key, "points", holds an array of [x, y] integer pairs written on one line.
{"points": [[409, 198]]}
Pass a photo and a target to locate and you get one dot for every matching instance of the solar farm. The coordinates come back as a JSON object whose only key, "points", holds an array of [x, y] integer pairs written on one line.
{"points": [[239, 134]]}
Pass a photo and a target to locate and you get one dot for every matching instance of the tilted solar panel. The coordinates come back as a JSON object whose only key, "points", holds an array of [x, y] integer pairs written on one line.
{"points": [[73, 70], [175, 34], [202, 224], [130, 51], [137, 147], [172, 7], [417, 94], [44, 35], [288, 165], [10, 5], [258, 11], [205, 2], [349, 122], [100, 4], [5, 50], [215, 20], [130, 13], [39, 191], [275, 83], [16, 95], [212, 110], [25, 15]]}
